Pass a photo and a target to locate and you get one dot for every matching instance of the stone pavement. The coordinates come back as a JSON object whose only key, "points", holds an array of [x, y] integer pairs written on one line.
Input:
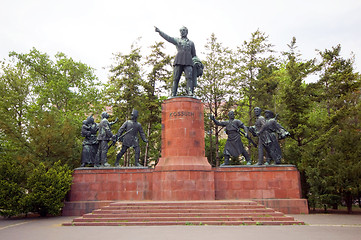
{"points": [[318, 226]]}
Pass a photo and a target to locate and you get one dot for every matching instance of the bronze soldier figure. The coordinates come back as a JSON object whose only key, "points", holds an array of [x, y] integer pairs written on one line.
{"points": [[234, 146], [105, 135], [272, 131], [90, 143], [130, 138], [255, 130]]}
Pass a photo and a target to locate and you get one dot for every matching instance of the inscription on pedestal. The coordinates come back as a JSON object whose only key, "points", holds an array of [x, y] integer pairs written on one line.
{"points": [[181, 114]]}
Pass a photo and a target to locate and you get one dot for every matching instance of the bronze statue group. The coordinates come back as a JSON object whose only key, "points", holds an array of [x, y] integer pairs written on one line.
{"points": [[267, 129], [95, 148]]}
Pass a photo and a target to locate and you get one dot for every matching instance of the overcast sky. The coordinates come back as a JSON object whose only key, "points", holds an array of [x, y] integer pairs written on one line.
{"points": [[90, 31]]}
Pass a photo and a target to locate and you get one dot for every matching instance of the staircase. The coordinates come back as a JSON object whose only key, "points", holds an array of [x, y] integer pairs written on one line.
{"points": [[157, 213]]}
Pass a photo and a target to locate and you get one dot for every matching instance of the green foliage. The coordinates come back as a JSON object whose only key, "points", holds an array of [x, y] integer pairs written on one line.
{"points": [[214, 87], [41, 190], [295, 98], [12, 191], [332, 160], [123, 91], [253, 77], [47, 189], [44, 104]]}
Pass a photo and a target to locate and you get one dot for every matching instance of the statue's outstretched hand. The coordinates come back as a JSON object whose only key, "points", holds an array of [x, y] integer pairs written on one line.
{"points": [[156, 29]]}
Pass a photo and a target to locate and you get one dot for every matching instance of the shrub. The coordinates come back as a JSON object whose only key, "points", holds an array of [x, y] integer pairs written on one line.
{"points": [[12, 192], [47, 189]]}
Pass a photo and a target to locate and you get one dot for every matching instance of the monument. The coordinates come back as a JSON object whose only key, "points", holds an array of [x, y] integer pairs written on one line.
{"points": [[183, 172]]}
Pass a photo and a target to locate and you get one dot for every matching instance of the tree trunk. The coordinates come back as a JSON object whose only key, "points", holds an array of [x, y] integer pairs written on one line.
{"points": [[217, 146], [348, 200], [210, 148], [147, 146]]}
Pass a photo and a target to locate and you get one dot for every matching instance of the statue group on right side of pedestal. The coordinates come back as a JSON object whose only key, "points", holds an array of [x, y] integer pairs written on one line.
{"points": [[268, 131]]}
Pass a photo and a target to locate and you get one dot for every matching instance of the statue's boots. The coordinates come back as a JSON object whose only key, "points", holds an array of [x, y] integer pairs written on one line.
{"points": [[117, 162], [137, 164], [226, 161]]}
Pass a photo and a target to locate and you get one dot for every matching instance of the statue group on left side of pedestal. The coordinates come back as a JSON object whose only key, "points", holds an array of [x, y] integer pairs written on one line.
{"points": [[266, 129], [95, 147]]}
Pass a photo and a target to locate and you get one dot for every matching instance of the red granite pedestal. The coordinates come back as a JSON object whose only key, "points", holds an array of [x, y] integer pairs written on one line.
{"points": [[183, 172]]}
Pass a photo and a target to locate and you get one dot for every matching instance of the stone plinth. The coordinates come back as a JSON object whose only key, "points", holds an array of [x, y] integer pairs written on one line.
{"points": [[183, 172], [257, 182], [182, 135], [107, 184], [276, 187]]}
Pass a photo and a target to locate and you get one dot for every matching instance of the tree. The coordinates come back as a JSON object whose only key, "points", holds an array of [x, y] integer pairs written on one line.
{"points": [[254, 65], [214, 87], [125, 88], [155, 84], [335, 154], [15, 87], [44, 105], [296, 102]]}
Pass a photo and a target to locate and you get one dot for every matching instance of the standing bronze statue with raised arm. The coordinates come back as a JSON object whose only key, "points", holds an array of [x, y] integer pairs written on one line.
{"points": [[183, 61], [234, 146]]}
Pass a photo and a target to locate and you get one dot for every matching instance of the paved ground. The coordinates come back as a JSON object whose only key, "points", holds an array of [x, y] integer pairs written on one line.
{"points": [[319, 226]]}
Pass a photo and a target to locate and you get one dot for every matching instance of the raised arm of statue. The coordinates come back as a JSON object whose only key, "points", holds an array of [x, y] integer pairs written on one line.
{"points": [[166, 37], [218, 123]]}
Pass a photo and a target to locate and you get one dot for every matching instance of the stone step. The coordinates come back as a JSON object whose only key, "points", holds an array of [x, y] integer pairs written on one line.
{"points": [[253, 210], [217, 214], [186, 203], [182, 219], [183, 213], [195, 223], [231, 207]]}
